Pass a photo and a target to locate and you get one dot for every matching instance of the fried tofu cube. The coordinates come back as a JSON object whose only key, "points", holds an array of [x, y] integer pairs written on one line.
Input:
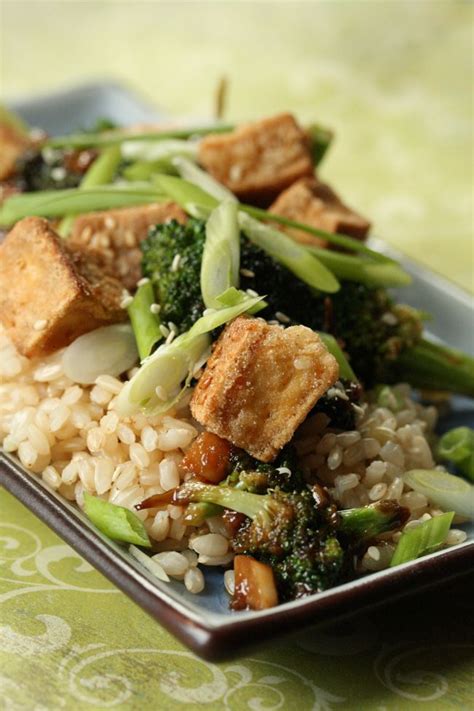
{"points": [[316, 204], [12, 144], [114, 236], [260, 383], [49, 295], [258, 160]]}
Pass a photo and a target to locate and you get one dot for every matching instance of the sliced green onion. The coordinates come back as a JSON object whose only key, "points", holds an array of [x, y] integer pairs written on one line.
{"points": [[195, 175], [291, 254], [158, 150], [101, 172], [150, 564], [443, 489], [110, 350], [144, 170], [233, 296], [360, 270], [345, 370], [58, 203], [145, 323], [457, 446], [354, 245], [115, 522], [159, 381], [221, 255], [425, 538], [191, 198], [109, 138]]}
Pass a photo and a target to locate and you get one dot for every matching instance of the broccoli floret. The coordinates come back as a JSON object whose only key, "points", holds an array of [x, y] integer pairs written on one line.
{"points": [[383, 340], [177, 288], [257, 477], [52, 169], [297, 533]]}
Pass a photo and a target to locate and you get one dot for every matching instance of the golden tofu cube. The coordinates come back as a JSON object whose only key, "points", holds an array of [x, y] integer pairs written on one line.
{"points": [[12, 144], [258, 160], [316, 204], [50, 295], [114, 236], [260, 383]]}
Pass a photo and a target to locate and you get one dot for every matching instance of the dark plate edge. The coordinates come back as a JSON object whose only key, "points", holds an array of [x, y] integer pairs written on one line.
{"points": [[216, 643]]}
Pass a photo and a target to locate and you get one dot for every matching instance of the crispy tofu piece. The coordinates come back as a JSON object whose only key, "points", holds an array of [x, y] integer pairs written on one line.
{"points": [[49, 295], [258, 160], [260, 383], [12, 144], [315, 203], [114, 236]]}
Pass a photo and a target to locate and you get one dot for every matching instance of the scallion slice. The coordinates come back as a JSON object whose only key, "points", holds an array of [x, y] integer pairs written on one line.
{"points": [[425, 538], [345, 370], [443, 489], [221, 255], [115, 522], [145, 323]]}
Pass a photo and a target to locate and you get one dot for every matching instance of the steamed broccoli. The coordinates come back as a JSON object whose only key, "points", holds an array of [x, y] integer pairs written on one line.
{"points": [[258, 477], [298, 533], [382, 339]]}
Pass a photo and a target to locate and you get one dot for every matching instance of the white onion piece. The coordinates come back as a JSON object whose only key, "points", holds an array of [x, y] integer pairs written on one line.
{"points": [[156, 150], [110, 350], [449, 492]]}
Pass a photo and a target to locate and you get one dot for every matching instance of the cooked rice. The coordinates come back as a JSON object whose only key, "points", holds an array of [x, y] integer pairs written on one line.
{"points": [[74, 439]]}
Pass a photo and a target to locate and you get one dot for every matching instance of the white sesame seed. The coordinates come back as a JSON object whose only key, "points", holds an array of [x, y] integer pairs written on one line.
{"points": [[58, 173], [161, 392], [175, 262], [142, 282], [283, 318], [172, 327], [389, 318], [247, 273], [283, 470], [165, 332], [40, 324], [170, 337], [252, 293], [126, 301], [155, 308]]}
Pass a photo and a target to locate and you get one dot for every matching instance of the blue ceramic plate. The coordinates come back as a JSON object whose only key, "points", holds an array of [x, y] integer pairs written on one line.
{"points": [[204, 621]]}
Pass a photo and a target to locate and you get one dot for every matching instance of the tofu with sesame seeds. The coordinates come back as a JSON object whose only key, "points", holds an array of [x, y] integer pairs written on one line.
{"points": [[260, 383], [114, 236], [49, 294], [258, 160], [12, 144], [316, 204]]}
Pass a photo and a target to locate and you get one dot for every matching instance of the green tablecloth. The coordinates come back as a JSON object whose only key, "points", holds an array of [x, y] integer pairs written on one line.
{"points": [[394, 80]]}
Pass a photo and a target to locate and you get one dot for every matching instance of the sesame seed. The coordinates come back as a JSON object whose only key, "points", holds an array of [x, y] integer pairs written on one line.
{"points": [[143, 281], [283, 470], [155, 308], [126, 301], [172, 327], [175, 262], [247, 273], [389, 318], [170, 337], [165, 332], [283, 318], [161, 392], [252, 293], [58, 173], [40, 324], [109, 222]]}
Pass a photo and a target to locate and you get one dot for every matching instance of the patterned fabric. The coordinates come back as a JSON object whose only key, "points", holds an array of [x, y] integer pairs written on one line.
{"points": [[70, 640]]}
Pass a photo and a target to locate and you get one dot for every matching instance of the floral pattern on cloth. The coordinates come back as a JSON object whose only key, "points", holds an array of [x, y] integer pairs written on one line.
{"points": [[70, 640]]}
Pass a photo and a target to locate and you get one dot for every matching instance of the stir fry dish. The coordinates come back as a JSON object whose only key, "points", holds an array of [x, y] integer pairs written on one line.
{"points": [[199, 349]]}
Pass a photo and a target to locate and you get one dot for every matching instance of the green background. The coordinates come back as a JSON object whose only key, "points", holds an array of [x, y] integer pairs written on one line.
{"points": [[394, 79]]}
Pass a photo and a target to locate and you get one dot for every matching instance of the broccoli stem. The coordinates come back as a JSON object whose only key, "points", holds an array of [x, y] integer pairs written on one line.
{"points": [[369, 521], [321, 139], [228, 497], [433, 366], [145, 323]]}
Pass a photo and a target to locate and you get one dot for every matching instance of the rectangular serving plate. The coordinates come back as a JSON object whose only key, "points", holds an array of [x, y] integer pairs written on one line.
{"points": [[204, 622]]}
